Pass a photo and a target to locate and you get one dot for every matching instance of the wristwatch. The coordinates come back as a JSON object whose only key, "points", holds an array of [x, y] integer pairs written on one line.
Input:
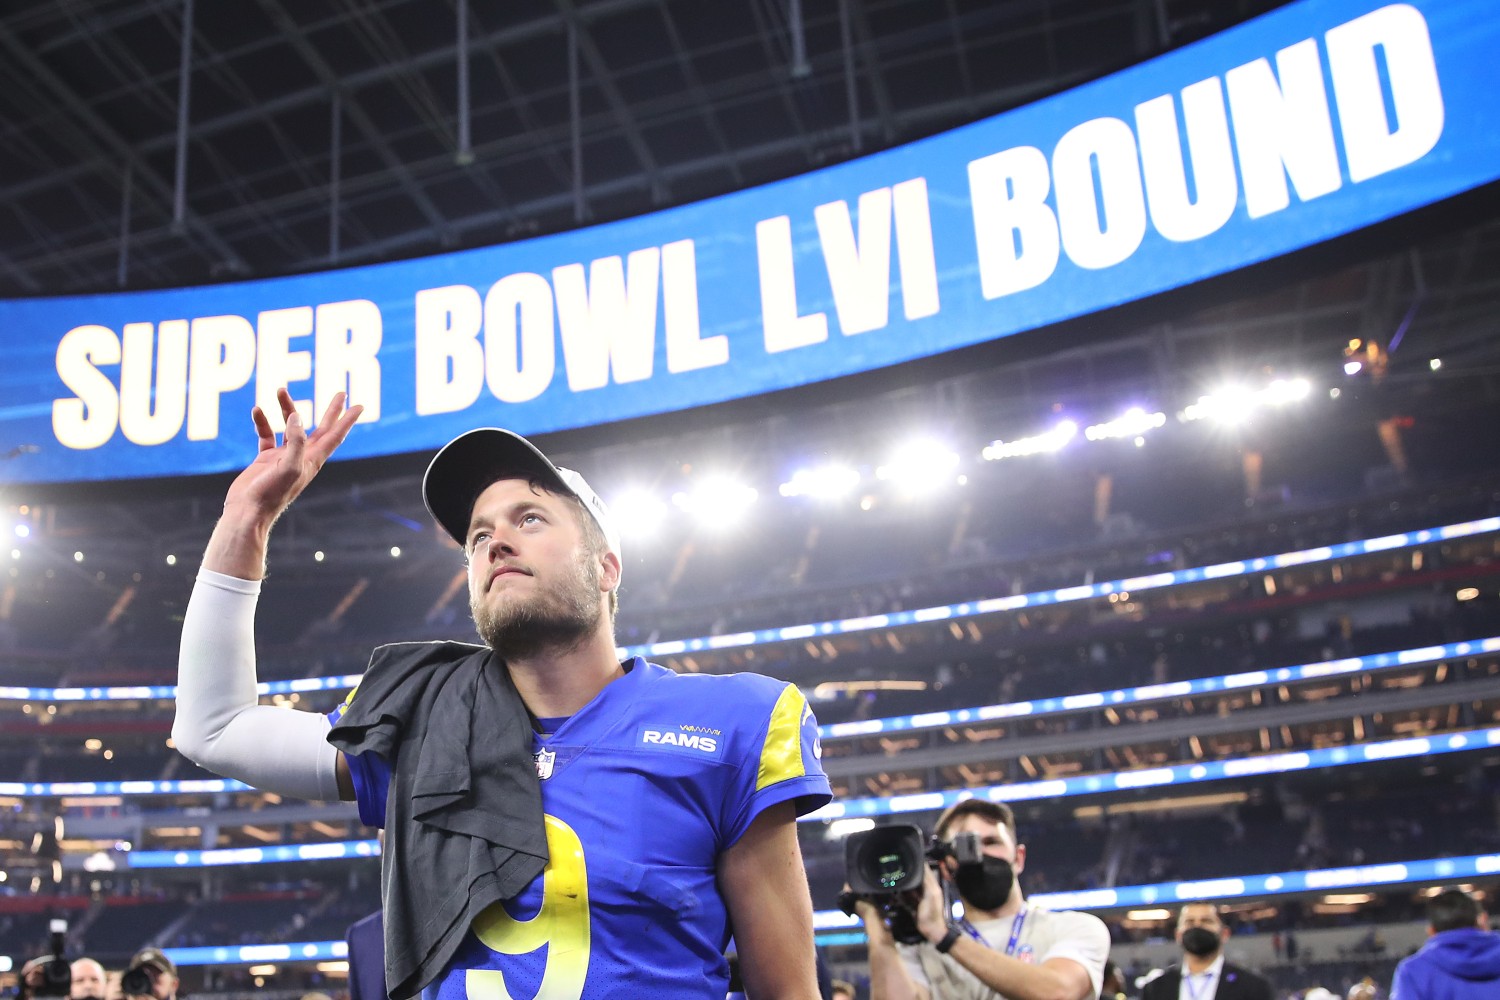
{"points": [[946, 944]]}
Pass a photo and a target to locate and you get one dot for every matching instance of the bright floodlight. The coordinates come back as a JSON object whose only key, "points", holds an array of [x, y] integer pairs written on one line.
{"points": [[1132, 424], [638, 512], [1234, 404], [1352, 367], [919, 467], [717, 501], [824, 482], [841, 828], [1047, 441], [23, 531], [1231, 405], [1287, 390], [1434, 365]]}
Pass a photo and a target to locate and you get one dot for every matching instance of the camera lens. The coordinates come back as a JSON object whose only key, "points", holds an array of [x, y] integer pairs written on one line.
{"points": [[890, 870], [136, 982]]}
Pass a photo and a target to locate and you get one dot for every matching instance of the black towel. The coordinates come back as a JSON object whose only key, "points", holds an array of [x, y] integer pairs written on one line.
{"points": [[463, 820]]}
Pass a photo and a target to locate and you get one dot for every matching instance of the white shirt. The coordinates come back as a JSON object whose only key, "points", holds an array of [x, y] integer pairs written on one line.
{"points": [[1201, 985], [1081, 937]]}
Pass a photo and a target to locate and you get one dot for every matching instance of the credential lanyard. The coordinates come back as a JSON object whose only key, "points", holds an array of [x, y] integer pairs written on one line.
{"points": [[1016, 927], [1201, 989]]}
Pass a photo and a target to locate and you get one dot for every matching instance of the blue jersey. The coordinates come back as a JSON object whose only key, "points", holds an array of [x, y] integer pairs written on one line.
{"points": [[642, 790]]}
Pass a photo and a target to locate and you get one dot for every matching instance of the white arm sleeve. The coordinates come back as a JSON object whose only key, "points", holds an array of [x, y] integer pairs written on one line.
{"points": [[220, 724]]}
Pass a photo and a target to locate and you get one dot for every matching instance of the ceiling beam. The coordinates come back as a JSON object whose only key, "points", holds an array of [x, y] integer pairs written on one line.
{"points": [[108, 146]]}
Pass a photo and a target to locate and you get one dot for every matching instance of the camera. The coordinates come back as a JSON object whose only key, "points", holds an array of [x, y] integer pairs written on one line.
{"points": [[145, 969], [57, 973], [138, 981], [885, 866]]}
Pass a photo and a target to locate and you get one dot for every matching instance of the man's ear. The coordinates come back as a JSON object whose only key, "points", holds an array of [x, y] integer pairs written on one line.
{"points": [[1019, 865], [609, 571]]}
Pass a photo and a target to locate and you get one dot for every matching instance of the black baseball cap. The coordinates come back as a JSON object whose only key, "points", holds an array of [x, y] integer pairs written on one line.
{"points": [[468, 464]]}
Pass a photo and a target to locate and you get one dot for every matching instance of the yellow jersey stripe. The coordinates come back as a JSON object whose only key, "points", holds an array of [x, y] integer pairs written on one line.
{"points": [[781, 756]]}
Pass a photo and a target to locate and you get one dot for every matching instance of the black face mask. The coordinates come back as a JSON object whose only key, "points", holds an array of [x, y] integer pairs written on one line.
{"points": [[985, 886], [1199, 941]]}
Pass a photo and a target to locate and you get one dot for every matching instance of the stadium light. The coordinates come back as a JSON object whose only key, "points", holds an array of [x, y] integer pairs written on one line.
{"points": [[1435, 364], [1234, 404], [1283, 390], [638, 512], [1133, 423], [717, 501], [171, 560], [395, 552], [1352, 367], [1230, 405], [318, 556], [919, 467], [840, 828], [824, 482], [78, 557], [1047, 441], [23, 531]]}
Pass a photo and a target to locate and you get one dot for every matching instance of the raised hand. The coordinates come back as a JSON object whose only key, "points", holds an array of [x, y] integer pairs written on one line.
{"points": [[269, 484], [281, 472]]}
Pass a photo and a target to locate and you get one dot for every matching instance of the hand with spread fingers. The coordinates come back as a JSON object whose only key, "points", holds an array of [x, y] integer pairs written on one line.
{"points": [[281, 472]]}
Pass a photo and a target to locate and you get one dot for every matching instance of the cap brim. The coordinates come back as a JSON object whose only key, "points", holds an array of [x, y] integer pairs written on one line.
{"points": [[469, 463], [156, 960]]}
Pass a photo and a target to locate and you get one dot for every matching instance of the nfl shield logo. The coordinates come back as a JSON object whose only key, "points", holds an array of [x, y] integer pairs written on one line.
{"points": [[544, 761]]}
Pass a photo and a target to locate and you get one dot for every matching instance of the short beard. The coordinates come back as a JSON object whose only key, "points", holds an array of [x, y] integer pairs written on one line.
{"points": [[556, 622]]}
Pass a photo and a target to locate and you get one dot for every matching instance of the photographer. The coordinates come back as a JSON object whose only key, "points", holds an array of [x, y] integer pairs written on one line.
{"points": [[150, 974], [52, 975], [1003, 947], [85, 979]]}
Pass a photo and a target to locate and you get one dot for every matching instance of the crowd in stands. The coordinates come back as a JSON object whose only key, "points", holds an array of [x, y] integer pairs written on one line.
{"points": [[831, 566]]}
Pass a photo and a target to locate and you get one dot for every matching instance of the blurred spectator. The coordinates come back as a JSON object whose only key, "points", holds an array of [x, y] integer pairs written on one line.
{"points": [[1203, 973], [88, 980], [1461, 959]]}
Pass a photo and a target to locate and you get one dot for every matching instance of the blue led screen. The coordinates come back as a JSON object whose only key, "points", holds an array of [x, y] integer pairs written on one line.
{"points": [[1311, 122]]}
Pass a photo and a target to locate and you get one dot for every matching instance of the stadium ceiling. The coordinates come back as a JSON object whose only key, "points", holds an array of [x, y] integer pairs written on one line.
{"points": [[674, 101]]}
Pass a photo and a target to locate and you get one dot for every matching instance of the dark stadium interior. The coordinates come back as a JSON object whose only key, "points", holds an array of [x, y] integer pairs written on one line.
{"points": [[681, 102]]}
